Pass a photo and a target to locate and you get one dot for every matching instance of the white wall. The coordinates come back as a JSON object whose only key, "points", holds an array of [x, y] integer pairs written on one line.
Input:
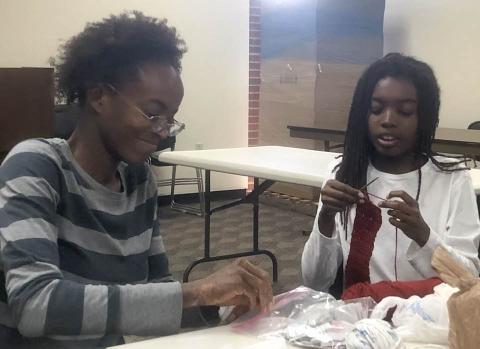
{"points": [[445, 34], [215, 68]]}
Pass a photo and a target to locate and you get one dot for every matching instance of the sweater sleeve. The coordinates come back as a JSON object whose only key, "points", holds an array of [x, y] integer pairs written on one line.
{"points": [[158, 272], [42, 301], [322, 256], [461, 234]]}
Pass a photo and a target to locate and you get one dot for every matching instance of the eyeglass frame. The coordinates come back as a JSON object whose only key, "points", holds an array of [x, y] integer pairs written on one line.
{"points": [[174, 127]]}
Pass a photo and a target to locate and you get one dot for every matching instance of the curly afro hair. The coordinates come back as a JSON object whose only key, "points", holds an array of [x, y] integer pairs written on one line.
{"points": [[110, 51]]}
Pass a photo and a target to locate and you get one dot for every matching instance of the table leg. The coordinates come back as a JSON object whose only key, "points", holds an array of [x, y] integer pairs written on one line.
{"points": [[255, 216], [208, 213], [252, 198], [206, 217]]}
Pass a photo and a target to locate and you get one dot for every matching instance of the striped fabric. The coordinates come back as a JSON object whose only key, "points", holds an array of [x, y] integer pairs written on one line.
{"points": [[80, 265]]}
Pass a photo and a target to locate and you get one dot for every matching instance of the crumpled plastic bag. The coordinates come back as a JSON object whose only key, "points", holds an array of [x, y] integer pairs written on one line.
{"points": [[463, 306], [416, 319], [312, 319]]}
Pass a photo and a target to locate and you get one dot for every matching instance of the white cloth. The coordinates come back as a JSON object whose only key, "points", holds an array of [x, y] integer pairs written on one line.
{"points": [[447, 204]]}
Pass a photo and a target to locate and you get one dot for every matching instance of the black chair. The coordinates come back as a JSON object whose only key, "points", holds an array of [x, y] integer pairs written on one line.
{"points": [[66, 118], [169, 143], [475, 126]]}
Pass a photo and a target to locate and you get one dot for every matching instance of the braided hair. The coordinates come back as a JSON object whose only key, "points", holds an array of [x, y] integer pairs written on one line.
{"points": [[358, 150]]}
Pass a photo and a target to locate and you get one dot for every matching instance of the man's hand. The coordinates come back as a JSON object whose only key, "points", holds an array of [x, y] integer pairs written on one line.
{"points": [[239, 283]]}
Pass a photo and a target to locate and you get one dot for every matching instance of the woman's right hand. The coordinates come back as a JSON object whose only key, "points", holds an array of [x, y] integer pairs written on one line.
{"points": [[336, 197]]}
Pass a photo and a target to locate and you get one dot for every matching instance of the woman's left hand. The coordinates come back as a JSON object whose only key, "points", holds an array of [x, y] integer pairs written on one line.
{"points": [[406, 216]]}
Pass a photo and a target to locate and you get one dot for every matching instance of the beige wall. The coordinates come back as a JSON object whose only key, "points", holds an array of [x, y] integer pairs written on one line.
{"points": [[444, 33], [215, 68]]}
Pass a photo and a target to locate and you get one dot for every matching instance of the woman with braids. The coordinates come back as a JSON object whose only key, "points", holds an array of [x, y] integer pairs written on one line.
{"points": [[82, 260], [391, 200]]}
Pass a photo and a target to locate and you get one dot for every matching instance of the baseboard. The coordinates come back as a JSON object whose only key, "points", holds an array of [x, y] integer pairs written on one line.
{"points": [[191, 198]]}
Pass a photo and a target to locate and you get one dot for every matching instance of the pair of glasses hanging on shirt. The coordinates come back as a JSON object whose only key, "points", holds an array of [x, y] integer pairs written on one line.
{"points": [[160, 122]]}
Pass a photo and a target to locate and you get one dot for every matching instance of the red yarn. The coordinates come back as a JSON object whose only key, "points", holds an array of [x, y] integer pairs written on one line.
{"points": [[368, 219], [380, 290]]}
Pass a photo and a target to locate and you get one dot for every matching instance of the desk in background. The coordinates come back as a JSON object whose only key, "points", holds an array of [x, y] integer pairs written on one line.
{"points": [[447, 140]]}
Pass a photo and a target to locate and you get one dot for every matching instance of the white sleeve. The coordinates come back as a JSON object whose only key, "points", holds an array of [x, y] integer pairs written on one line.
{"points": [[321, 255], [321, 258], [462, 232]]}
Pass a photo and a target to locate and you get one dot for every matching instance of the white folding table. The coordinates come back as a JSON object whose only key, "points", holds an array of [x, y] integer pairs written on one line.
{"points": [[271, 163], [224, 337]]}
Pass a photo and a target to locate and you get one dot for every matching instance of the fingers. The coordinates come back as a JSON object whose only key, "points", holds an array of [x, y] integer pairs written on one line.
{"points": [[333, 204], [398, 223], [260, 273], [344, 191], [336, 196], [343, 187], [259, 281], [402, 195], [342, 196], [245, 288], [397, 206], [399, 215]]}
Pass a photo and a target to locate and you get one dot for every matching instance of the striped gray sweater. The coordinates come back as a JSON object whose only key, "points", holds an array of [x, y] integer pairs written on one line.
{"points": [[80, 265]]}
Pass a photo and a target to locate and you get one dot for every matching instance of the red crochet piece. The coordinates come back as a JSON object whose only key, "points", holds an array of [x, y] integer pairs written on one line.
{"points": [[368, 219], [380, 290]]}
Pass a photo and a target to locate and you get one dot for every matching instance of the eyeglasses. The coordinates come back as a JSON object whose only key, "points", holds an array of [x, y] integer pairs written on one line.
{"points": [[161, 122]]}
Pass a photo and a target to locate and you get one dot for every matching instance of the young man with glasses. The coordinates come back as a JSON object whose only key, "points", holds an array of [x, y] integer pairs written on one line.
{"points": [[82, 258]]}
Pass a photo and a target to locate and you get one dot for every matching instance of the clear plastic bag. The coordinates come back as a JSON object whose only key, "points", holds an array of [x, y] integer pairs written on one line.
{"points": [[308, 319], [423, 320]]}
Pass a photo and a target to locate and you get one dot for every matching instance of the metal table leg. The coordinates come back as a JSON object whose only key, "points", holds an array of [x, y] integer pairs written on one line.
{"points": [[251, 198]]}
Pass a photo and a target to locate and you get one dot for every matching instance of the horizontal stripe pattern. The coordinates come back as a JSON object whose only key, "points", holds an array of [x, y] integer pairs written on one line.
{"points": [[86, 281], [117, 226], [30, 228], [19, 253], [30, 164], [158, 267], [30, 186], [76, 256], [22, 207], [99, 266], [95, 241]]}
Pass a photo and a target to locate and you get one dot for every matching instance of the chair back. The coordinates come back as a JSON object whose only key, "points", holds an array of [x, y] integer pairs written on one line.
{"points": [[167, 143], [66, 119], [474, 125]]}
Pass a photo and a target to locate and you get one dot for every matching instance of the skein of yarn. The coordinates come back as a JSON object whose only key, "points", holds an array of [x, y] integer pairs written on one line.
{"points": [[373, 334]]}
